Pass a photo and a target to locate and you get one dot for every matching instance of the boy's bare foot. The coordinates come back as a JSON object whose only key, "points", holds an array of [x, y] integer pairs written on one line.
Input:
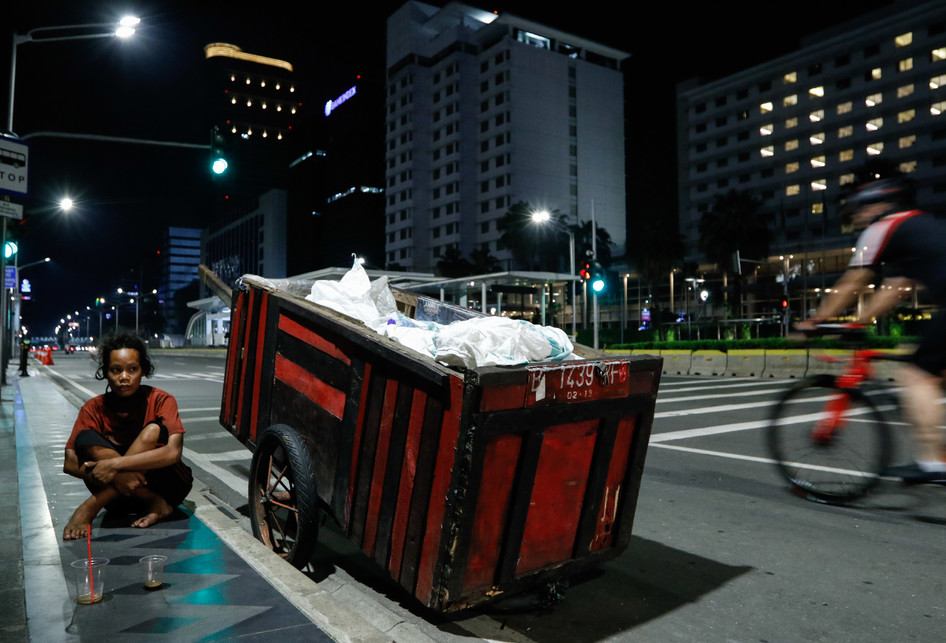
{"points": [[158, 510], [78, 524]]}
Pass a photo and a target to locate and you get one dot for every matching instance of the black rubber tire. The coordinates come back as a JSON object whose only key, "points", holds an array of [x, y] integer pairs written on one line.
{"points": [[849, 465], [283, 499]]}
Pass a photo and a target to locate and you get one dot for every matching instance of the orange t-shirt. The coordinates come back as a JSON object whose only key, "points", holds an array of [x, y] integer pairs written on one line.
{"points": [[148, 405]]}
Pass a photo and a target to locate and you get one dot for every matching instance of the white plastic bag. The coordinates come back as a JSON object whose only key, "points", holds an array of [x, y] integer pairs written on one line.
{"points": [[354, 295]]}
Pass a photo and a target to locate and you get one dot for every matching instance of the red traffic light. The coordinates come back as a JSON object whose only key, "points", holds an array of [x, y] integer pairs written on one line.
{"points": [[784, 304], [585, 270]]}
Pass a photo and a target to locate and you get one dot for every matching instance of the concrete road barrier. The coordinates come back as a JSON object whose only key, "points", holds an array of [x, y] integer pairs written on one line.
{"points": [[708, 362], [676, 362], [785, 363], [745, 363]]}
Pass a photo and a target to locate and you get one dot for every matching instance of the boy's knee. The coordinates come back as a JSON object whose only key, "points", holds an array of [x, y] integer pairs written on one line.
{"points": [[151, 435]]}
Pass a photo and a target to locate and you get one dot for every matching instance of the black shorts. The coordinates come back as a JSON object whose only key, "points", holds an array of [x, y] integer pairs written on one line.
{"points": [[930, 354], [172, 483]]}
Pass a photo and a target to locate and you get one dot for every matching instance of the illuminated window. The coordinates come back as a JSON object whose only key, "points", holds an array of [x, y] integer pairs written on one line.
{"points": [[791, 168], [791, 122], [816, 138], [906, 116], [905, 65], [874, 99], [819, 184], [818, 161], [846, 155], [817, 208], [874, 74], [790, 77], [765, 108], [908, 166], [767, 151], [816, 91], [874, 149], [874, 124], [790, 100], [937, 108], [903, 39], [907, 141], [904, 90], [844, 108], [766, 130], [816, 116], [937, 81], [938, 54], [846, 179], [792, 190], [791, 145]]}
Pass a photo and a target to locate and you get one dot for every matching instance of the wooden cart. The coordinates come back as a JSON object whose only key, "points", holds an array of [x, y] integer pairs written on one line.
{"points": [[463, 484]]}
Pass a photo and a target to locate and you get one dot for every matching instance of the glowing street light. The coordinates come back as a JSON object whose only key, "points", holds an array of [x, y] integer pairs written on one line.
{"points": [[123, 30]]}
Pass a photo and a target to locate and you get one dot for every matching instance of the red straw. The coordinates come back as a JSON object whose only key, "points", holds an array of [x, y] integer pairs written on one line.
{"points": [[91, 583]]}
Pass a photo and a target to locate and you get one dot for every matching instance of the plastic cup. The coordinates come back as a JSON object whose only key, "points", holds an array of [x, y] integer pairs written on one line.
{"points": [[153, 565], [89, 575]]}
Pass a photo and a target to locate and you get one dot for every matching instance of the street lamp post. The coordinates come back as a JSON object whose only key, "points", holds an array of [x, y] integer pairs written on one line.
{"points": [[542, 217], [124, 29]]}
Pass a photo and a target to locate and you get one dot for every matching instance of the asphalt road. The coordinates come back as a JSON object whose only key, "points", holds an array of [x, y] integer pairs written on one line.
{"points": [[722, 551]]}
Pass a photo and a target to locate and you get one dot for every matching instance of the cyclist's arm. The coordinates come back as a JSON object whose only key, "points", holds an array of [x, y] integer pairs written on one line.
{"points": [[844, 293], [885, 298]]}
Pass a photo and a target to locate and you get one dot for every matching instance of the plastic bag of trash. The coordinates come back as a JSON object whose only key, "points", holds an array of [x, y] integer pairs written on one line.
{"points": [[355, 295], [477, 341], [499, 341]]}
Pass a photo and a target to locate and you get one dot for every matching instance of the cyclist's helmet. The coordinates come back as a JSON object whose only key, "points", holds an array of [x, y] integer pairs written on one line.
{"points": [[898, 191]]}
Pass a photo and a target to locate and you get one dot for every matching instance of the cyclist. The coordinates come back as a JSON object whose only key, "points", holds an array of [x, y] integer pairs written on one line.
{"points": [[908, 246]]}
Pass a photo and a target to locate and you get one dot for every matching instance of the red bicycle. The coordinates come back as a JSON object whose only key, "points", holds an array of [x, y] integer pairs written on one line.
{"points": [[839, 453]]}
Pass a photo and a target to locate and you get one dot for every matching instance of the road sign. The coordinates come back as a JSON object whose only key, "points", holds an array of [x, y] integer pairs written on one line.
{"points": [[14, 157], [9, 276]]}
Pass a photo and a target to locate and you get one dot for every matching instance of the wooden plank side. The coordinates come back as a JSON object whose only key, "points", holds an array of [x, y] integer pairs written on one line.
{"points": [[497, 462], [420, 500], [440, 486], [367, 450], [376, 488], [611, 499], [406, 485], [259, 344], [557, 495], [365, 388], [247, 391], [231, 372], [392, 473]]}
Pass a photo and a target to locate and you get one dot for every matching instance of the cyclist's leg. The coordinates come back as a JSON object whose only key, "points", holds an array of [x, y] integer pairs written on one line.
{"points": [[922, 382], [920, 397]]}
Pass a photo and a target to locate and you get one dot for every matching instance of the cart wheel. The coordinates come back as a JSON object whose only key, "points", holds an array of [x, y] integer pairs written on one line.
{"points": [[283, 499]]}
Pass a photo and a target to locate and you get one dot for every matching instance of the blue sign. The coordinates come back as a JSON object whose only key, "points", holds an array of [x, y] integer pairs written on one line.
{"points": [[9, 276], [332, 105]]}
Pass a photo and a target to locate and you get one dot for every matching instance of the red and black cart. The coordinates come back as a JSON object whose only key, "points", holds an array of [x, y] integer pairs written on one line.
{"points": [[464, 484]]}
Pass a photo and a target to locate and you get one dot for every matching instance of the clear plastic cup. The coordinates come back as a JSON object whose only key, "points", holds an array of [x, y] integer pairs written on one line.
{"points": [[89, 578], [153, 565]]}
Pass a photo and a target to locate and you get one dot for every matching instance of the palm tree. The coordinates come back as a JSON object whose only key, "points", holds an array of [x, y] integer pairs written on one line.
{"points": [[735, 224], [451, 263], [533, 245], [655, 248]]}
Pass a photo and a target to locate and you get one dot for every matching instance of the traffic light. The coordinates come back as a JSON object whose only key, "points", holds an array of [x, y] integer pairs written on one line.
{"points": [[784, 303], [597, 276], [218, 152], [9, 249], [585, 270]]}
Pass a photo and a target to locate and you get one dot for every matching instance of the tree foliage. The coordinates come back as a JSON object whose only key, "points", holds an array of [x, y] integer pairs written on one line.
{"points": [[735, 223]]}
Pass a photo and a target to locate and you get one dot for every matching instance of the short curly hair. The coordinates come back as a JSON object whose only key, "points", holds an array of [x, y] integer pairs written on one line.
{"points": [[116, 341]]}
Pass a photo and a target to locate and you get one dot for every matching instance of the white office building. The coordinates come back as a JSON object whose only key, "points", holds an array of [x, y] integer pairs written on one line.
{"points": [[793, 131], [487, 110]]}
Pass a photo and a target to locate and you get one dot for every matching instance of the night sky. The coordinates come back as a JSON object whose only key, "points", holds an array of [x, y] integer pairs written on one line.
{"points": [[147, 88]]}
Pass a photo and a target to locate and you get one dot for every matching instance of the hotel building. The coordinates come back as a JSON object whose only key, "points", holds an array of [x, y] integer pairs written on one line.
{"points": [[486, 110]]}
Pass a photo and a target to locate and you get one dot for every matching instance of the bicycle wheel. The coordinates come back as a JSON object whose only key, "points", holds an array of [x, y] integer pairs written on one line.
{"points": [[828, 457], [282, 493]]}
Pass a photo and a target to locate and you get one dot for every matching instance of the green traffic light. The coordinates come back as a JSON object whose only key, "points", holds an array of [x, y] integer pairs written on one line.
{"points": [[219, 165]]}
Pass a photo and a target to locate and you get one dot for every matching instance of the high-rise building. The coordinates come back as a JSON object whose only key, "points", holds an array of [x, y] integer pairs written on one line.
{"points": [[180, 256], [484, 111], [255, 112], [794, 131]]}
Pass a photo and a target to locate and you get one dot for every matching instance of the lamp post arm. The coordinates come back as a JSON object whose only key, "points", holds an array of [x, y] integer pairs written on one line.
{"points": [[115, 139]]}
